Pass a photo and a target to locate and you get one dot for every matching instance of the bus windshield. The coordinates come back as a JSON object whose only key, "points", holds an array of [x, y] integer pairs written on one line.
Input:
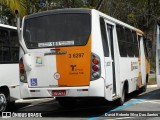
{"points": [[65, 29]]}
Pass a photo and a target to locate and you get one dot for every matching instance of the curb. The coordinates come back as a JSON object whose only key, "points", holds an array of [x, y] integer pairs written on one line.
{"points": [[152, 86], [34, 100]]}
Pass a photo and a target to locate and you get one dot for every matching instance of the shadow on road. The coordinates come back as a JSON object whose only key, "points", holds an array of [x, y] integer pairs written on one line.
{"points": [[148, 95], [85, 108], [17, 106], [91, 107]]}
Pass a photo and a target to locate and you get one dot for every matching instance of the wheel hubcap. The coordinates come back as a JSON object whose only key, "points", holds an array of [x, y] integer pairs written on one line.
{"points": [[3, 102]]}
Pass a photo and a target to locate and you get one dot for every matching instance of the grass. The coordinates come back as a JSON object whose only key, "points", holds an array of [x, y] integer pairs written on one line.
{"points": [[152, 81]]}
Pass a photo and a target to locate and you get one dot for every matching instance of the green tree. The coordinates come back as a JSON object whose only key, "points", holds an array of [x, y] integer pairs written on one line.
{"points": [[20, 5]]}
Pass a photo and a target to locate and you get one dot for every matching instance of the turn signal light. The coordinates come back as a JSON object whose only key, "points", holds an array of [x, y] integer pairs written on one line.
{"points": [[95, 61], [21, 65]]}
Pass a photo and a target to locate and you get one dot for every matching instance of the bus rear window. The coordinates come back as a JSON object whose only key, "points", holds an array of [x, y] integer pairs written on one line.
{"points": [[57, 30]]}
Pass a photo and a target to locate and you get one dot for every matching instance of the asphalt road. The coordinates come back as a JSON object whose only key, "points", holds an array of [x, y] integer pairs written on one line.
{"points": [[92, 109]]}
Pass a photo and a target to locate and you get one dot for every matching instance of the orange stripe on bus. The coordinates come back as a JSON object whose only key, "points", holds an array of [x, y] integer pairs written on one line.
{"points": [[74, 66], [139, 74]]}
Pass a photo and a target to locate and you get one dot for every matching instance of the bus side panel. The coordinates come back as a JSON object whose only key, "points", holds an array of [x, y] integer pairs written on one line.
{"points": [[130, 72], [14, 93], [10, 77], [143, 62], [97, 86]]}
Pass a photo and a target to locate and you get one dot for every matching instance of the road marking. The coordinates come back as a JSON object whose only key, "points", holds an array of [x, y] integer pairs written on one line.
{"points": [[151, 101], [128, 104], [133, 102], [33, 102]]}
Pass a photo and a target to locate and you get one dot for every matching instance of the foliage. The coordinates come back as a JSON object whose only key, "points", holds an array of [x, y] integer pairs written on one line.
{"points": [[152, 81], [139, 13], [19, 5], [8, 8]]}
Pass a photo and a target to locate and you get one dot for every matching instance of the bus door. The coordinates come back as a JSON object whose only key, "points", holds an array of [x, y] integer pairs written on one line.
{"points": [[110, 79], [111, 38], [142, 60]]}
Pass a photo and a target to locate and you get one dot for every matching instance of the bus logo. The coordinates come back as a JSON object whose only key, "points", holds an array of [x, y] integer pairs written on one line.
{"points": [[73, 67], [38, 60]]}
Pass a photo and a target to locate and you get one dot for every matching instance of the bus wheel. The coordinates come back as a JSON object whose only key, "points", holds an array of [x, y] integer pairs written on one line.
{"points": [[67, 102], [121, 100], [144, 88], [3, 102]]}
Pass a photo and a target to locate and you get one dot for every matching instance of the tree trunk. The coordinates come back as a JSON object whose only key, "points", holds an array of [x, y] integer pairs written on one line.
{"points": [[98, 7]]}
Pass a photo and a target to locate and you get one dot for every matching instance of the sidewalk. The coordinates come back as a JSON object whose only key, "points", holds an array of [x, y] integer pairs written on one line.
{"points": [[151, 86]]}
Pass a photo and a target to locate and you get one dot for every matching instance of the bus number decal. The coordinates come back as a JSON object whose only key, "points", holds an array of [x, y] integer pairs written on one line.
{"points": [[76, 55]]}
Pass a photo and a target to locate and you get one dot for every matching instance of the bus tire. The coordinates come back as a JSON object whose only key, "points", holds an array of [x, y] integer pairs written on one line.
{"points": [[122, 99], [69, 102], [3, 102], [144, 88]]}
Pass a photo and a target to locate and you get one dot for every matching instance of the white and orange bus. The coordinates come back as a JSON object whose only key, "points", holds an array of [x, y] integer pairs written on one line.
{"points": [[77, 53]]}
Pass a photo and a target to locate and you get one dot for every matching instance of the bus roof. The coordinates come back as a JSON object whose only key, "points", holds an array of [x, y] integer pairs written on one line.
{"points": [[57, 11], [8, 26], [119, 22]]}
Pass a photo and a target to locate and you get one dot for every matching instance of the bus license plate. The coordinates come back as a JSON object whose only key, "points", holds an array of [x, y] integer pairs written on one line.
{"points": [[58, 92]]}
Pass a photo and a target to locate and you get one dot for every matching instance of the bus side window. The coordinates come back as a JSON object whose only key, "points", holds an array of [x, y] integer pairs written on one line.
{"points": [[14, 46], [121, 41], [135, 42], [4, 46], [139, 38], [145, 48], [104, 37], [129, 40]]}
